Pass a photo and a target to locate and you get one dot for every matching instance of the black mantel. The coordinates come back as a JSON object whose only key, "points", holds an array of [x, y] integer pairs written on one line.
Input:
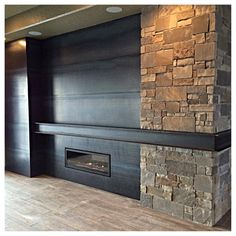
{"points": [[202, 141]]}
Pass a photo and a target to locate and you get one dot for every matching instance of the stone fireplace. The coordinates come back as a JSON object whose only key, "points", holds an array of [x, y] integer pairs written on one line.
{"points": [[185, 86], [159, 133]]}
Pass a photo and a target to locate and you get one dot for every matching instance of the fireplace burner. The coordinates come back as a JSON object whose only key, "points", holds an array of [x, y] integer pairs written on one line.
{"points": [[93, 162]]}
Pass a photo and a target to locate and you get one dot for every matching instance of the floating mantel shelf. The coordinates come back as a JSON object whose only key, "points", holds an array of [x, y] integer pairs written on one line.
{"points": [[202, 141]]}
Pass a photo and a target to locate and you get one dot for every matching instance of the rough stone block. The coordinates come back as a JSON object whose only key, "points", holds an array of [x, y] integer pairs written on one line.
{"points": [[199, 38], [206, 72], [184, 22], [203, 9], [186, 180], [205, 51], [184, 197], [203, 216], [203, 183], [166, 22], [182, 72], [161, 204], [148, 60], [179, 124], [177, 210], [185, 15], [201, 170], [187, 61], [184, 49], [200, 24], [205, 161], [157, 70], [204, 81], [178, 35], [158, 105], [164, 10], [148, 78], [185, 169], [147, 17], [164, 180], [164, 79], [196, 89], [164, 57], [169, 94], [168, 207], [201, 107], [159, 169], [172, 106], [155, 191], [147, 178], [146, 200], [179, 82]]}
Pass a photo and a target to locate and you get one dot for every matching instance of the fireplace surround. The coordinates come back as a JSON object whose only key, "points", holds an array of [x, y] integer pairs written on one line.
{"points": [[162, 122]]}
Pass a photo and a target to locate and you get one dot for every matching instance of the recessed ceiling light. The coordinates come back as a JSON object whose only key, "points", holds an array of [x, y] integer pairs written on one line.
{"points": [[114, 9], [35, 33]]}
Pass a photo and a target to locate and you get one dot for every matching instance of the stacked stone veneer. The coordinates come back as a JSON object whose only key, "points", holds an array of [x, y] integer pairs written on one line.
{"points": [[185, 86]]}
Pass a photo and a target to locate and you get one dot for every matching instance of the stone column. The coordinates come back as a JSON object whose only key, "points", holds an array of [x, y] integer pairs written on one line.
{"points": [[185, 86]]}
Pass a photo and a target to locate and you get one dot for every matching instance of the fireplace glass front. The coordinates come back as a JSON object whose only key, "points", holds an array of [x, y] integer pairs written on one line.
{"points": [[97, 163]]}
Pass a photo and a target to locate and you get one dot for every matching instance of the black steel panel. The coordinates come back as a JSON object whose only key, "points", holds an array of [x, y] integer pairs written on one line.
{"points": [[95, 75], [17, 154], [125, 164], [201, 141]]}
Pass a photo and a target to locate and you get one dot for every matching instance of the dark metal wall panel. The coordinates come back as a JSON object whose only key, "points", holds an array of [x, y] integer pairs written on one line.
{"points": [[95, 75], [92, 76], [125, 164], [37, 92], [17, 153]]}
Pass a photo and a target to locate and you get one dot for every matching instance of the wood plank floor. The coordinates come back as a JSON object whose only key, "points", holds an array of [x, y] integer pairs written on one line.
{"points": [[50, 204]]}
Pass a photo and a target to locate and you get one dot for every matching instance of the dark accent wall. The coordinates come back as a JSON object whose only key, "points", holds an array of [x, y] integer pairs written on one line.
{"points": [[94, 74], [91, 77], [17, 140]]}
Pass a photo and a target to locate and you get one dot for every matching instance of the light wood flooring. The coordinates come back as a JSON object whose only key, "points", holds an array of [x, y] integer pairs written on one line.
{"points": [[46, 203]]}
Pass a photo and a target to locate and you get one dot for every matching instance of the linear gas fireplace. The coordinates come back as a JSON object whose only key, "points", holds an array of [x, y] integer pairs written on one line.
{"points": [[97, 163]]}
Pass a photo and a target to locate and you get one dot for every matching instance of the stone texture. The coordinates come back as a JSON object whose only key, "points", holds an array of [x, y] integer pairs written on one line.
{"points": [[182, 72], [164, 57], [187, 61], [178, 35], [172, 107], [166, 22], [203, 216], [184, 169], [146, 200], [186, 87], [206, 72], [205, 51], [147, 178], [148, 60], [171, 94], [148, 78], [179, 123], [164, 79], [185, 15], [184, 197], [200, 24], [184, 49], [203, 183], [169, 207]]}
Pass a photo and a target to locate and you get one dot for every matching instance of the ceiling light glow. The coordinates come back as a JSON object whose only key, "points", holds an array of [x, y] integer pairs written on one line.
{"points": [[34, 33], [114, 9]]}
